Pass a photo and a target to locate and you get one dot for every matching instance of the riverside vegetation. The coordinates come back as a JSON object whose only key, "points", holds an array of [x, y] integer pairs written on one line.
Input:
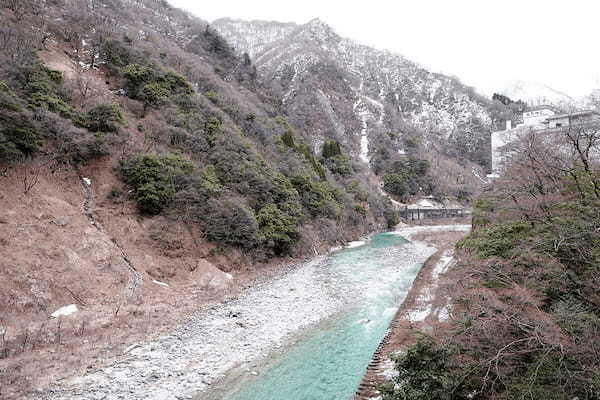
{"points": [[527, 319]]}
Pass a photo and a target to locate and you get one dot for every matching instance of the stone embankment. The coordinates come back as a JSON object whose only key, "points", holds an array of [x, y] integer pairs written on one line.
{"points": [[424, 309]]}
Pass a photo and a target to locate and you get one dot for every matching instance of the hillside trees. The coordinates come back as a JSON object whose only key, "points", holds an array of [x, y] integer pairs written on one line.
{"points": [[527, 323], [211, 150]]}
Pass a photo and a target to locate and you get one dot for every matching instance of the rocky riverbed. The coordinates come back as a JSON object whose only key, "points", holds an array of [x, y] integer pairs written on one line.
{"points": [[232, 336]]}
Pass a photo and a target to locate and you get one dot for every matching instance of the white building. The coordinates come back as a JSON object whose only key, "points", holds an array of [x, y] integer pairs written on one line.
{"points": [[538, 118], [576, 118], [535, 117]]}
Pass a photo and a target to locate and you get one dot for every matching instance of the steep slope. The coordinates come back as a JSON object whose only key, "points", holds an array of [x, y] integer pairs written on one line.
{"points": [[378, 104], [145, 171]]}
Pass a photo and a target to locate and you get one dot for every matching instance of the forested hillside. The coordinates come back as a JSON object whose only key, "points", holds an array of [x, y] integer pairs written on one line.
{"points": [[138, 152], [526, 310], [385, 109]]}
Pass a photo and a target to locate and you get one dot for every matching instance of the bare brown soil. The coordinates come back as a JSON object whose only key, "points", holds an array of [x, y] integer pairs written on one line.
{"points": [[425, 292]]}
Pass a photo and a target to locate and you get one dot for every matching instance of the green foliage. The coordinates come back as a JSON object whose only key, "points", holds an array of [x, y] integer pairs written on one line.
{"points": [[317, 197], [18, 136], [152, 178], [316, 165], [396, 184], [116, 53], [392, 217], [175, 83], [105, 118], [212, 129], [331, 148], [230, 222], [209, 181], [8, 99], [154, 94], [407, 177], [289, 140], [335, 160], [137, 76], [497, 240], [41, 88], [153, 86], [424, 373], [481, 208], [361, 209], [212, 96], [278, 229]]}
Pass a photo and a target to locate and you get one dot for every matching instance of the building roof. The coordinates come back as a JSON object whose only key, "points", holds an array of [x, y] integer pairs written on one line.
{"points": [[574, 114]]}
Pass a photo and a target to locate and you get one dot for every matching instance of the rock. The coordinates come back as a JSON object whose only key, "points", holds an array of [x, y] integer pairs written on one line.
{"points": [[62, 221], [87, 181], [64, 311], [210, 277]]}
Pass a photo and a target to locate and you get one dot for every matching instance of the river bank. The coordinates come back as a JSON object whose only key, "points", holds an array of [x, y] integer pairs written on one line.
{"points": [[237, 334], [237, 337], [426, 308]]}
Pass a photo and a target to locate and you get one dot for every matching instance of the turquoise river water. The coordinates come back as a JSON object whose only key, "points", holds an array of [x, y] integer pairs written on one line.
{"points": [[328, 361]]}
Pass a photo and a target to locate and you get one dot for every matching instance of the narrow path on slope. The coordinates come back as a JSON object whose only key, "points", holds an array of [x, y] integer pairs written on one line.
{"points": [[134, 276]]}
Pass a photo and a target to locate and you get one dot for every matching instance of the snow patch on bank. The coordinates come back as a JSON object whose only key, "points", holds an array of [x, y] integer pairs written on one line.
{"points": [[409, 232]]}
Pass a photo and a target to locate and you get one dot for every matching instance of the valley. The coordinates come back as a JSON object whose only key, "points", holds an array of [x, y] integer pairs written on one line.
{"points": [[247, 209]]}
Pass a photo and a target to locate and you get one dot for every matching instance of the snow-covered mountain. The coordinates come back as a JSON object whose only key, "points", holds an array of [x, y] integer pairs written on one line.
{"points": [[535, 94], [373, 101]]}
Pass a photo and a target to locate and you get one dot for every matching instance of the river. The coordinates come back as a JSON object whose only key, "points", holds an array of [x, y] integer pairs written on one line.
{"points": [[307, 334], [328, 360]]}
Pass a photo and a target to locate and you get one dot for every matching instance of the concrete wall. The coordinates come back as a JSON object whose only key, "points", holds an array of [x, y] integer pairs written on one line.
{"points": [[500, 152], [557, 123]]}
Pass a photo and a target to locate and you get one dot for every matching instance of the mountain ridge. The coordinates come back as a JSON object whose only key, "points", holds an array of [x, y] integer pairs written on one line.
{"points": [[368, 94]]}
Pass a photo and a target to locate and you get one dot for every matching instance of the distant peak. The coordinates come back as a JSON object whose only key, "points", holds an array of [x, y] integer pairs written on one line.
{"points": [[317, 22], [319, 29]]}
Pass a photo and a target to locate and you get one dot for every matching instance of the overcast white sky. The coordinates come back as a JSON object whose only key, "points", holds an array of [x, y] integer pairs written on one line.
{"points": [[486, 43]]}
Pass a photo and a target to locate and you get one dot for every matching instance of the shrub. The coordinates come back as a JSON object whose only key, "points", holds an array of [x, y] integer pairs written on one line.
{"points": [[317, 197], [230, 222], [278, 230], [209, 181], [331, 148], [153, 179], [154, 95], [18, 136], [154, 87], [424, 373], [392, 218], [361, 209], [339, 164], [137, 76], [497, 240], [105, 118], [396, 184], [8, 99], [116, 53], [212, 96]]}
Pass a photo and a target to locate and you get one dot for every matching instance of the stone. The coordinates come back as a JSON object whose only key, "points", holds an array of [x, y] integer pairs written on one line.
{"points": [[62, 221], [65, 311]]}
